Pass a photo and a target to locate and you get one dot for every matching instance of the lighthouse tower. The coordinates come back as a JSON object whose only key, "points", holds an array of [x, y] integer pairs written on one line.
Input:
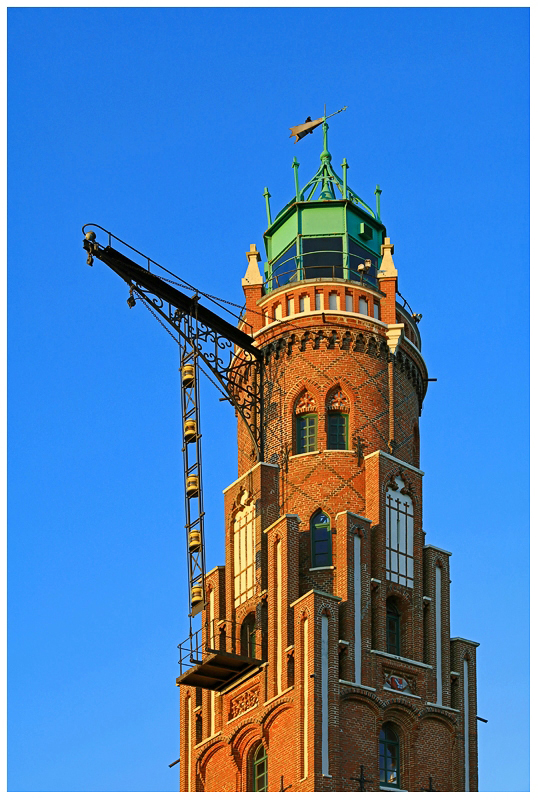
{"points": [[325, 656]]}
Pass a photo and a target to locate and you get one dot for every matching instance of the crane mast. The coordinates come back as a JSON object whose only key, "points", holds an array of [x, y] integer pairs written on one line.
{"points": [[206, 341]]}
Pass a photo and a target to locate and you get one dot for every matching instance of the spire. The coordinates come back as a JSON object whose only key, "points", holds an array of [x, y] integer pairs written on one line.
{"points": [[252, 275], [387, 268]]}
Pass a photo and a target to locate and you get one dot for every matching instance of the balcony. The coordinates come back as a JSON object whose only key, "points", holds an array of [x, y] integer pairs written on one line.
{"points": [[216, 655]]}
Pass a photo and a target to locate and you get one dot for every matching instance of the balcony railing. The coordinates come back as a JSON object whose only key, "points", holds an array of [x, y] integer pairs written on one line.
{"points": [[215, 655], [322, 264]]}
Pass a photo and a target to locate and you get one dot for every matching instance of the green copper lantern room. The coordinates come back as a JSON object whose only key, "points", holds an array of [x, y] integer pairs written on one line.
{"points": [[326, 231]]}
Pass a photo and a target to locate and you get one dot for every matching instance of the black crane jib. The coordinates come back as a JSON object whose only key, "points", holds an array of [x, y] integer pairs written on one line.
{"points": [[131, 272]]}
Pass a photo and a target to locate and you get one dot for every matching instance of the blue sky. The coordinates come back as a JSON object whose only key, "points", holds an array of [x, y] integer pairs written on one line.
{"points": [[164, 125]]}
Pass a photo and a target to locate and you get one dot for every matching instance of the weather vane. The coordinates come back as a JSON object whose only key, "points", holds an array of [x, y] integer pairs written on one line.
{"points": [[310, 124]]}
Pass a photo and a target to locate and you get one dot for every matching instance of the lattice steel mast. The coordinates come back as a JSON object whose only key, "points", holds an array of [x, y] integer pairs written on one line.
{"points": [[203, 336]]}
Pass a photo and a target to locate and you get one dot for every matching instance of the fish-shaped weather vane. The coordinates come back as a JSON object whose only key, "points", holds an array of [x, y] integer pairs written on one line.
{"points": [[309, 125]]}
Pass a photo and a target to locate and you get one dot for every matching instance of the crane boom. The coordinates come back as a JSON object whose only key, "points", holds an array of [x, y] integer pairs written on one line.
{"points": [[202, 335]]}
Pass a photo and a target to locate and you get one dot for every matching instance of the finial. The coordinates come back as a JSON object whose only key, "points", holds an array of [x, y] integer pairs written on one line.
{"points": [[267, 206], [295, 165], [378, 202], [325, 156]]}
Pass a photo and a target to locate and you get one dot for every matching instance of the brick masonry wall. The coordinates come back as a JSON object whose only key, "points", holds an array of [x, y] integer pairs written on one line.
{"points": [[319, 353]]}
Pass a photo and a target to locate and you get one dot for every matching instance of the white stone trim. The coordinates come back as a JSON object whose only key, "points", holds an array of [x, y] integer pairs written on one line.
{"points": [[244, 475], [315, 569], [466, 722], [438, 636], [357, 685], [325, 695], [440, 549], [357, 596], [401, 658], [318, 313], [396, 460]]}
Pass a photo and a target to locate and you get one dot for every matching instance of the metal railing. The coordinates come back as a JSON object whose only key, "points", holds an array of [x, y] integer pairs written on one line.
{"points": [[348, 267], [220, 636]]}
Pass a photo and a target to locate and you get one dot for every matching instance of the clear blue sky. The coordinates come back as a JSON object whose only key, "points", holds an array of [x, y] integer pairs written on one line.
{"points": [[164, 125]]}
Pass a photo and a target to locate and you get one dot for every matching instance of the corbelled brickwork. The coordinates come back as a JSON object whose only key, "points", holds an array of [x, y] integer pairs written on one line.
{"points": [[330, 675]]}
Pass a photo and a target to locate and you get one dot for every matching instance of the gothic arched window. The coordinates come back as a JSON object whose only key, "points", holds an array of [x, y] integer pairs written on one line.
{"points": [[248, 636], [320, 535], [389, 757], [306, 424], [399, 534], [393, 627], [337, 420], [259, 769]]}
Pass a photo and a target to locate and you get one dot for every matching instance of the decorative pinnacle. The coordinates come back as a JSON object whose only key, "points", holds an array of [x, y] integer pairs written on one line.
{"points": [[325, 156]]}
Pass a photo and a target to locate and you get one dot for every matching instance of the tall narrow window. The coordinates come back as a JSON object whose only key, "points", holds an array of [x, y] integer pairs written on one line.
{"points": [[244, 532], [333, 301], [307, 429], [290, 306], [306, 424], [393, 627], [389, 757], [248, 636], [302, 307], [399, 534], [319, 297], [320, 534], [337, 420], [376, 310], [363, 306], [337, 431], [349, 302], [259, 770]]}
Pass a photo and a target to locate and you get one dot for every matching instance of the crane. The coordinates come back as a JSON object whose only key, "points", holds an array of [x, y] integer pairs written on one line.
{"points": [[206, 342]]}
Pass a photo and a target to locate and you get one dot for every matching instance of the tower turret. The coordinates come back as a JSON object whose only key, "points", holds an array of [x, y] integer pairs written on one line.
{"points": [[331, 602]]}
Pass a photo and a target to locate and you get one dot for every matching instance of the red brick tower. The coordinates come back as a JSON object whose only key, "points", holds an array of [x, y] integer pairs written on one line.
{"points": [[326, 637]]}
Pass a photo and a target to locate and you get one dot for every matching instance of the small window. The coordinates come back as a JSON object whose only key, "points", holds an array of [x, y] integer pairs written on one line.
{"points": [[349, 302], [290, 306], [302, 303], [389, 757], [318, 301], [363, 306], [376, 310], [393, 628], [333, 301], [307, 433], [259, 770], [248, 636], [320, 533], [336, 431]]}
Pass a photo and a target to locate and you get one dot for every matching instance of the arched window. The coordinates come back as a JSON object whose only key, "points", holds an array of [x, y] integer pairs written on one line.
{"points": [[337, 420], [259, 770], [399, 534], [320, 534], [306, 421], [389, 757], [248, 636], [393, 627]]}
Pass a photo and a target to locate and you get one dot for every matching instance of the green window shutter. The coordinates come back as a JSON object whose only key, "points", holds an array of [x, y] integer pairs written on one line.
{"points": [[337, 431]]}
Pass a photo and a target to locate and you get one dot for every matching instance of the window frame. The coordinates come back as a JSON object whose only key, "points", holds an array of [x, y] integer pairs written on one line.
{"points": [[384, 754], [333, 415], [326, 527], [256, 761], [298, 419]]}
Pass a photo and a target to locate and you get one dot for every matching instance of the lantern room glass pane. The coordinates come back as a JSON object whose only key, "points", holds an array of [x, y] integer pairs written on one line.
{"points": [[322, 257], [284, 269]]}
